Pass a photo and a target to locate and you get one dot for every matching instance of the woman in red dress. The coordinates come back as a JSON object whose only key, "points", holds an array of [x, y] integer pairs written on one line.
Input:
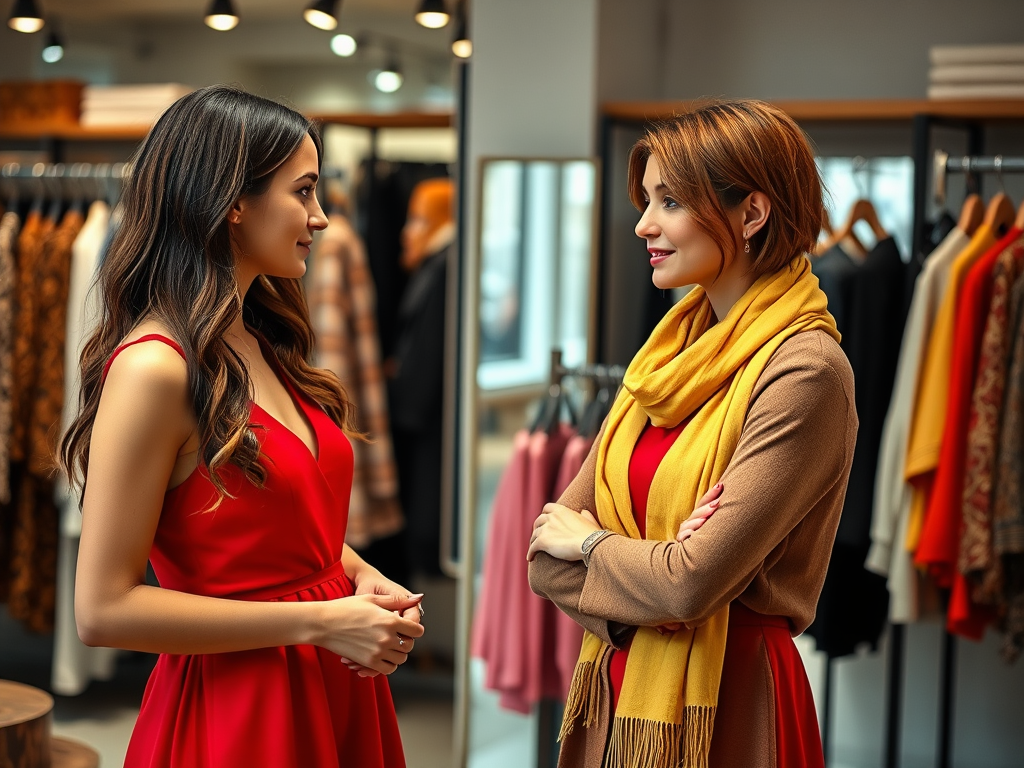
{"points": [[210, 447], [740, 406]]}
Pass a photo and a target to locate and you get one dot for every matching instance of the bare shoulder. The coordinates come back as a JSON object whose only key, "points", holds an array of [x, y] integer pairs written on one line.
{"points": [[149, 381]]}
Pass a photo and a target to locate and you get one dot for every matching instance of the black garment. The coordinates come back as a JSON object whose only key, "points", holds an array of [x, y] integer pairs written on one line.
{"points": [[866, 299], [415, 400], [871, 340]]}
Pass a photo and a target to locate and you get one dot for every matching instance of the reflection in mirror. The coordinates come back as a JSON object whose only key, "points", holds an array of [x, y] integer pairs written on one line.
{"points": [[536, 236], [537, 269]]}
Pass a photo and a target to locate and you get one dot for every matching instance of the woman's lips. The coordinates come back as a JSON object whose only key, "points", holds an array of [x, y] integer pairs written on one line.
{"points": [[658, 255]]}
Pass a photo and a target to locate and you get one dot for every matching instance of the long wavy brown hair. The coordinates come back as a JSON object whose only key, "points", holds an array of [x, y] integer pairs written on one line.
{"points": [[171, 260]]}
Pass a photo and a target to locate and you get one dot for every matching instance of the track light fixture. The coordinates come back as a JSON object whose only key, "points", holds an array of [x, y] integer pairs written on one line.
{"points": [[389, 79], [322, 14], [54, 50], [221, 16], [25, 17], [343, 45], [462, 46], [432, 14]]}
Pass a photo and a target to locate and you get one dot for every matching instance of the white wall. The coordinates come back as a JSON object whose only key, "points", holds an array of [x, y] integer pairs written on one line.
{"points": [[823, 49]]}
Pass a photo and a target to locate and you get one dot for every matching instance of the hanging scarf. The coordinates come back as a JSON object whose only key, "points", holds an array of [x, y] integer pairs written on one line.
{"points": [[691, 367]]}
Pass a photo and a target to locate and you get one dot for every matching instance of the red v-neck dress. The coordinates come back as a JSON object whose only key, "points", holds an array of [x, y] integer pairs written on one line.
{"points": [[289, 707]]}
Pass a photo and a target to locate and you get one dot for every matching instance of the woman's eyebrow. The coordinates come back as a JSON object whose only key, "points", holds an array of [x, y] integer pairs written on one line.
{"points": [[311, 176], [659, 188]]}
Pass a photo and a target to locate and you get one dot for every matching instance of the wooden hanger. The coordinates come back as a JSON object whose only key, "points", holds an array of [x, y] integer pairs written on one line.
{"points": [[1000, 213], [862, 210], [825, 243], [971, 215]]}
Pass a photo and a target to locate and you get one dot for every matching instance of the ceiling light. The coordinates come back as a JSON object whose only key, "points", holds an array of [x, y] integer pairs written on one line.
{"points": [[221, 16], [389, 79], [322, 14], [462, 46], [432, 14], [54, 50], [343, 45], [25, 17]]}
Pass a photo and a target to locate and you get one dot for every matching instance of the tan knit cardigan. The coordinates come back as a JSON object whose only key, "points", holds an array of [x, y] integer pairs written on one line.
{"points": [[767, 545]]}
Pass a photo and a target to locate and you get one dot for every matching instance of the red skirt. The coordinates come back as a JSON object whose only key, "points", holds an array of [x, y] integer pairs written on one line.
{"points": [[295, 706], [761, 661]]}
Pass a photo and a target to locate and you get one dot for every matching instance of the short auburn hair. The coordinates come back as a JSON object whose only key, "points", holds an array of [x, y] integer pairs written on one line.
{"points": [[711, 158]]}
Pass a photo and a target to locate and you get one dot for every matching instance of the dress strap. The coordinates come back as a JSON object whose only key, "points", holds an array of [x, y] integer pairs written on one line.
{"points": [[148, 337]]}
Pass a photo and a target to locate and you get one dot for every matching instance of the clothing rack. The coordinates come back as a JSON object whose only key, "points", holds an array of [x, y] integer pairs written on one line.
{"points": [[597, 372], [549, 712], [972, 165]]}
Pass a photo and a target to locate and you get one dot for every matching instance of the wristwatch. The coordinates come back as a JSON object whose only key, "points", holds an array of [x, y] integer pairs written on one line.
{"points": [[590, 542]]}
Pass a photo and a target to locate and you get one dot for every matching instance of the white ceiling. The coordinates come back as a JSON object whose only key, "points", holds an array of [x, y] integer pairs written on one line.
{"points": [[98, 10], [383, 19]]}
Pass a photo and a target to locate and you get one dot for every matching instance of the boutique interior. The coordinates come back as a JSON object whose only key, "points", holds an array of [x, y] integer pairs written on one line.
{"points": [[915, 110]]}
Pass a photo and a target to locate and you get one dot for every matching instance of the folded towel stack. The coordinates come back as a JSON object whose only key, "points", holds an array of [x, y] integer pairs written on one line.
{"points": [[107, 105], [976, 72]]}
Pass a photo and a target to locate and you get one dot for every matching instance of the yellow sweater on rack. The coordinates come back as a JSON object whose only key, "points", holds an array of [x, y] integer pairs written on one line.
{"points": [[929, 420]]}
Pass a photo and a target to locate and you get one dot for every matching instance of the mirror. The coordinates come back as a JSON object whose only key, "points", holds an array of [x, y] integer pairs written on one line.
{"points": [[535, 292]]}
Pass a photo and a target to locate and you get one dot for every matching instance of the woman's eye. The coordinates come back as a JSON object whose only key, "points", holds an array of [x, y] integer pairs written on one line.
{"points": [[668, 202], [307, 191]]}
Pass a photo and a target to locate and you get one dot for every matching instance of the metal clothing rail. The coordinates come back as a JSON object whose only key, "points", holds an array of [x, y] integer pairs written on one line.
{"points": [[97, 171], [549, 712], [970, 165], [63, 171], [559, 371]]}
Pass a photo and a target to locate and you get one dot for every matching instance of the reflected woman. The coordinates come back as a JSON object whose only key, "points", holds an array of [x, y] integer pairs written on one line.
{"points": [[208, 445], [739, 407]]}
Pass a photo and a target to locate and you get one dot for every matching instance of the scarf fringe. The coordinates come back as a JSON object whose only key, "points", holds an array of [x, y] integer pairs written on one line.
{"points": [[637, 743], [584, 696]]}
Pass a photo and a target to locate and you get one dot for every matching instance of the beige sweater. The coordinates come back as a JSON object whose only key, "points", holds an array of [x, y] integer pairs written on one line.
{"points": [[767, 545]]}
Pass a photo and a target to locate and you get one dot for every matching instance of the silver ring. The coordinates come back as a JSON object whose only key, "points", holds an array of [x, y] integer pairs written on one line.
{"points": [[401, 640]]}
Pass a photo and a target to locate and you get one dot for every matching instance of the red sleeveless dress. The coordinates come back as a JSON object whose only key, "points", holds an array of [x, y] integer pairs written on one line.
{"points": [[292, 706]]}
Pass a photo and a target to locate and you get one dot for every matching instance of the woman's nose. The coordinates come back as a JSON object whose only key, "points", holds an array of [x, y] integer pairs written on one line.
{"points": [[645, 227]]}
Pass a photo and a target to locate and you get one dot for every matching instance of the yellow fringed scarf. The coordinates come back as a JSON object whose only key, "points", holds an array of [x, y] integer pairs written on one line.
{"points": [[690, 367]]}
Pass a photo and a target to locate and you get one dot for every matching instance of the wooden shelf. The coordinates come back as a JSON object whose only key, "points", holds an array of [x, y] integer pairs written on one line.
{"points": [[65, 132], [393, 120], [839, 111], [75, 132]]}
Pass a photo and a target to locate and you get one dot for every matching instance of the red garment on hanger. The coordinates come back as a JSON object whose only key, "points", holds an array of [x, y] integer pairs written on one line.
{"points": [[510, 623], [939, 546], [288, 706], [568, 635], [490, 620]]}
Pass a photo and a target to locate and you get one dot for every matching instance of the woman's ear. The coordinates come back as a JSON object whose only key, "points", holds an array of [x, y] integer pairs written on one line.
{"points": [[235, 212], [756, 208]]}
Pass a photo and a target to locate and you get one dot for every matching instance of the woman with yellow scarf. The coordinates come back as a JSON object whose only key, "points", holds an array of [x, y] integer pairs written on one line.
{"points": [[693, 544]]}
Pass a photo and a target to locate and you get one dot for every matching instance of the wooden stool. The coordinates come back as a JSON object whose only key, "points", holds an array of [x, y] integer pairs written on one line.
{"points": [[25, 740]]}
